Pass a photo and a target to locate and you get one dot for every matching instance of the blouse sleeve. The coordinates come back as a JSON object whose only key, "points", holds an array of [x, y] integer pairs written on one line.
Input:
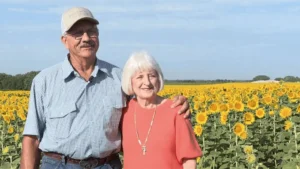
{"points": [[187, 146]]}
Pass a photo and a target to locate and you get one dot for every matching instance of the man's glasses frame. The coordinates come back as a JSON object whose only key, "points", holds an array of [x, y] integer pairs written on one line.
{"points": [[92, 33]]}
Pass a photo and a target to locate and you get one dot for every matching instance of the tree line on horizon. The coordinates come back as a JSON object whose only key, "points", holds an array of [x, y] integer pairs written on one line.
{"points": [[23, 81]]}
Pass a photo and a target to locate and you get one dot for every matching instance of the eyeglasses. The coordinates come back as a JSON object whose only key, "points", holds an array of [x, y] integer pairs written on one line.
{"points": [[92, 33]]}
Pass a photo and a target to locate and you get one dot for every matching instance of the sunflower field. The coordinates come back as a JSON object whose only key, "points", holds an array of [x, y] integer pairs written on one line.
{"points": [[245, 125], [238, 125], [13, 112]]}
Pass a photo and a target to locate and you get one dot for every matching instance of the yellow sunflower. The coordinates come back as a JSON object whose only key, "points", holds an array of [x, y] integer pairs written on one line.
{"points": [[6, 119], [196, 99], [198, 159], [21, 129], [267, 100], [198, 130], [249, 118], [224, 108], [16, 137], [280, 93], [287, 125], [5, 150], [298, 108], [12, 117], [298, 94], [223, 118], [244, 135], [201, 118], [251, 158], [285, 112], [238, 128], [239, 106], [248, 149], [196, 105], [271, 113], [291, 95], [276, 106], [260, 113], [213, 107], [252, 104], [230, 104], [255, 97], [10, 130], [254, 92], [202, 99]]}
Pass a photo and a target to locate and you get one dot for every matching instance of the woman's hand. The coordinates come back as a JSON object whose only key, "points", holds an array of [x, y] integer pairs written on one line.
{"points": [[182, 101]]}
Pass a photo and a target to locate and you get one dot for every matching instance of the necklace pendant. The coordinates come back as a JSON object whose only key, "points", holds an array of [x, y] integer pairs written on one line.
{"points": [[144, 150]]}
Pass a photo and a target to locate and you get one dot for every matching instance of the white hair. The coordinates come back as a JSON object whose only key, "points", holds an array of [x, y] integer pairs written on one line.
{"points": [[139, 61]]}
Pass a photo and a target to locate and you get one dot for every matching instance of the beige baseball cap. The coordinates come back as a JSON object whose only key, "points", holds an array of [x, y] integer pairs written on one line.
{"points": [[73, 15]]}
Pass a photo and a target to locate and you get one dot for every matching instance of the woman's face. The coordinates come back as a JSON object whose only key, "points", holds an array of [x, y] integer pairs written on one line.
{"points": [[145, 84]]}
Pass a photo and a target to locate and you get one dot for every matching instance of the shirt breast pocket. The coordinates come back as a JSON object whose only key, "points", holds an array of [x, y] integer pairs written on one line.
{"points": [[62, 120]]}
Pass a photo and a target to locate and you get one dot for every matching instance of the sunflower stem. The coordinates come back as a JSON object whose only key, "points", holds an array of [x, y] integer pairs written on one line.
{"points": [[203, 139], [215, 126], [260, 126], [11, 162], [274, 132], [235, 116], [229, 134], [236, 144], [2, 140], [296, 146]]}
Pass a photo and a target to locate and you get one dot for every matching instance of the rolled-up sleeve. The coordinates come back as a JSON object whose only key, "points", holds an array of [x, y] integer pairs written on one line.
{"points": [[35, 122]]}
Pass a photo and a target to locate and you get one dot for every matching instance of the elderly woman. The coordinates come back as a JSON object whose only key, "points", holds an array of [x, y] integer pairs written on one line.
{"points": [[154, 135]]}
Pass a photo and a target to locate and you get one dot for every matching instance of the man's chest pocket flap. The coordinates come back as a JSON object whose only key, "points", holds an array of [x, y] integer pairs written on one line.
{"points": [[61, 119]]}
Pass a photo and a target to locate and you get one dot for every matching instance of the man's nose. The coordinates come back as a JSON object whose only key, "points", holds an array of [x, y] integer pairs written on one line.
{"points": [[85, 37]]}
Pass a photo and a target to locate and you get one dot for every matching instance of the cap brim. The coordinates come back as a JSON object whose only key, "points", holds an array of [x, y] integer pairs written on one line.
{"points": [[95, 21]]}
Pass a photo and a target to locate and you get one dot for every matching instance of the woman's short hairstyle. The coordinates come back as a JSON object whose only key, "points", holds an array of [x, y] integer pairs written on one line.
{"points": [[139, 61]]}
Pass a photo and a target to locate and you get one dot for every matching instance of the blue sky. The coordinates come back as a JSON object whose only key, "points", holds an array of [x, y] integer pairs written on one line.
{"points": [[197, 39]]}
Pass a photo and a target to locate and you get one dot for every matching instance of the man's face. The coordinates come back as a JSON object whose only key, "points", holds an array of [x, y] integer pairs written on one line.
{"points": [[82, 39]]}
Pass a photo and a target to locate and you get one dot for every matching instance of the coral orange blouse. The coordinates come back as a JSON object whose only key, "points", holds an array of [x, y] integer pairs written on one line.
{"points": [[171, 138]]}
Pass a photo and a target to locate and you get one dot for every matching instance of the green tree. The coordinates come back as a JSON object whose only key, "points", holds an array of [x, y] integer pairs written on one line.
{"points": [[261, 77], [278, 78], [17, 82], [290, 79]]}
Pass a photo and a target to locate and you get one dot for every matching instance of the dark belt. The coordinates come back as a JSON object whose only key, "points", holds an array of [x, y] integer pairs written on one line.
{"points": [[85, 163]]}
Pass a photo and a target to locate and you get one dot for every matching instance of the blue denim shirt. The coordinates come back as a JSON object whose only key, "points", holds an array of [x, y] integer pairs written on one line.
{"points": [[73, 117]]}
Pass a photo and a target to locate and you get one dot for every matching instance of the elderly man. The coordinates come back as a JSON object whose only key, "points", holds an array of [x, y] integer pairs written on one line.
{"points": [[75, 106]]}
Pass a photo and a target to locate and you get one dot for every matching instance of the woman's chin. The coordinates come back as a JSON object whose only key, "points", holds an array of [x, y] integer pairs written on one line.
{"points": [[147, 97]]}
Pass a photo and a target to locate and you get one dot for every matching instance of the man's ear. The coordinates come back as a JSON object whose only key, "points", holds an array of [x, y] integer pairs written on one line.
{"points": [[64, 41]]}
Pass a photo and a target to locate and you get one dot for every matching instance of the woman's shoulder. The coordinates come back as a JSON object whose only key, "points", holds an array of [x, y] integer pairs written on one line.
{"points": [[129, 106], [166, 105], [131, 101]]}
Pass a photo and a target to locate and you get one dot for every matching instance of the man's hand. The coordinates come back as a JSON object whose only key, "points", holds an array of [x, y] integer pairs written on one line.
{"points": [[31, 155], [181, 100]]}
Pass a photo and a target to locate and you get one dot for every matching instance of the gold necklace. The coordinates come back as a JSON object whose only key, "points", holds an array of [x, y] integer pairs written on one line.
{"points": [[144, 148]]}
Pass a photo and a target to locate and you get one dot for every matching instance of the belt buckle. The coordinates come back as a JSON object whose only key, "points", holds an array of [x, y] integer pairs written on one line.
{"points": [[86, 164]]}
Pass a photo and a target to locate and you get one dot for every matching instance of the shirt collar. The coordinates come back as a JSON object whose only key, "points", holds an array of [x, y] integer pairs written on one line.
{"points": [[69, 70], [101, 66]]}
